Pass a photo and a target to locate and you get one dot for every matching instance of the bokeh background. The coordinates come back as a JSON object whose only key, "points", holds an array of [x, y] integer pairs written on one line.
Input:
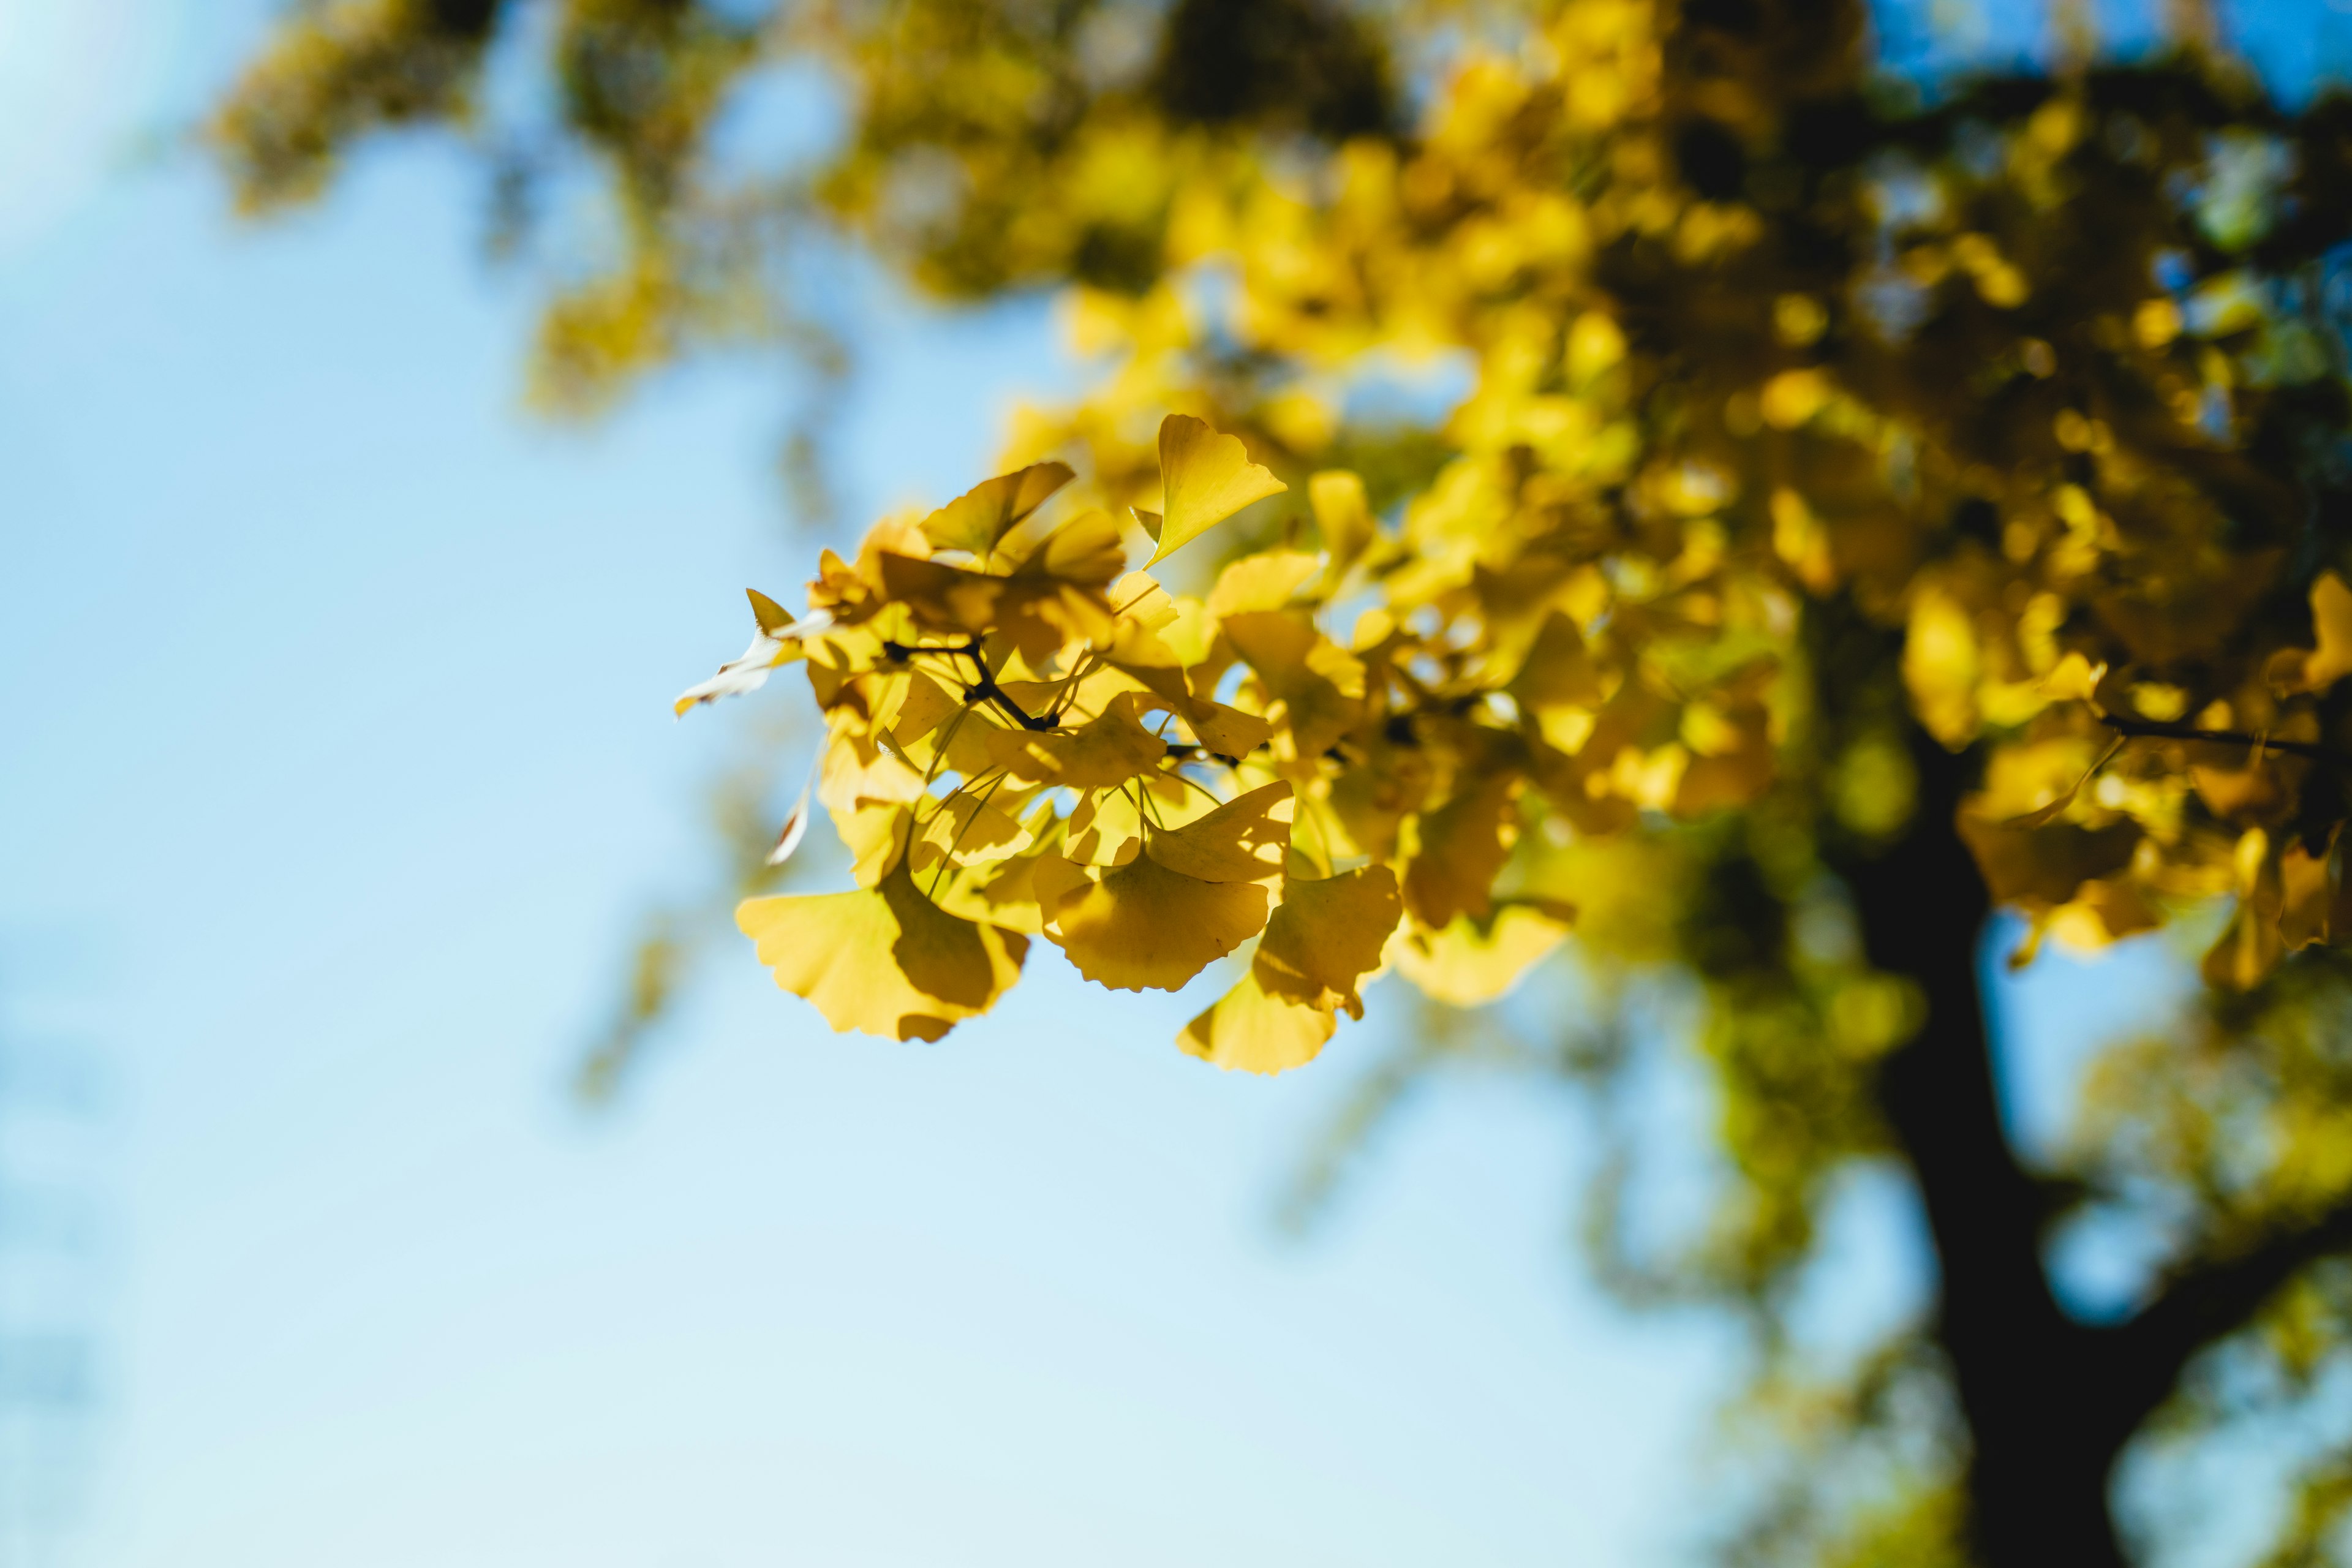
{"points": [[338, 764]]}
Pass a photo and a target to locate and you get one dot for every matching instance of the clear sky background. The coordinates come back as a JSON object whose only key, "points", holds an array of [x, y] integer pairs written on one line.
{"points": [[337, 761]]}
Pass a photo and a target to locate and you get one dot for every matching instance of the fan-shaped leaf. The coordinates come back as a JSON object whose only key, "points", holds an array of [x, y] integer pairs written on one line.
{"points": [[884, 961], [1250, 1030], [983, 514], [1206, 477]]}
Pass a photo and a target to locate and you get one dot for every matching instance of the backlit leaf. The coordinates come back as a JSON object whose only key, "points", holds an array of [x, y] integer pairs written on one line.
{"points": [[1206, 477], [1142, 926], [1244, 840], [2331, 622], [1463, 844], [1471, 961], [1249, 1030], [1326, 935], [983, 514], [883, 961]]}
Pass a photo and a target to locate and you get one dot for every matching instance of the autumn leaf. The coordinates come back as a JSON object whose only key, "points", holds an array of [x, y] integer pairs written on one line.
{"points": [[2293, 670], [1250, 1030], [983, 514], [1327, 935], [1103, 753], [1143, 926], [1087, 551], [1342, 515], [1244, 840], [776, 642], [883, 961], [1263, 582], [1463, 844], [1205, 479], [1471, 961]]}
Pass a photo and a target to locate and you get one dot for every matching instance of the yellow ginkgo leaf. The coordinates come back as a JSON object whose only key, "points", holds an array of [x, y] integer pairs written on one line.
{"points": [[2074, 678], [1248, 1030], [983, 514], [1557, 671], [1244, 840], [777, 641], [1106, 828], [1087, 549], [1941, 666], [1227, 732], [1144, 926], [884, 961], [2293, 670], [1320, 684], [1103, 753], [874, 834], [1463, 843], [1036, 612], [1262, 582], [971, 831], [1342, 514], [1470, 962], [1325, 934], [920, 705], [1206, 477]]}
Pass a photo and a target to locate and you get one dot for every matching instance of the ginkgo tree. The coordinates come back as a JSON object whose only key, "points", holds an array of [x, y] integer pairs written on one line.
{"points": [[1865, 504]]}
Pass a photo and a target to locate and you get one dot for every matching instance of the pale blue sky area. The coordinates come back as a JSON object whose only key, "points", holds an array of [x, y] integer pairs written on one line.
{"points": [[338, 761]]}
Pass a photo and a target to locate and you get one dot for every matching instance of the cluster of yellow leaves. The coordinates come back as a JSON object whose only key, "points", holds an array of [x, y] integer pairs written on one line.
{"points": [[1024, 739], [2113, 799], [2007, 428]]}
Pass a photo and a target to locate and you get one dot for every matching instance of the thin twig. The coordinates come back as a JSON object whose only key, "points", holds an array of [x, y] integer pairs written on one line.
{"points": [[2163, 730]]}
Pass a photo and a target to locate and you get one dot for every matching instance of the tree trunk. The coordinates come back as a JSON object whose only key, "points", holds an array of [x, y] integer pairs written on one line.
{"points": [[2031, 1383]]}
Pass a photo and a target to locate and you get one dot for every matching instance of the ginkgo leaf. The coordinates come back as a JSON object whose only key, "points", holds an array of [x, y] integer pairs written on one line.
{"points": [[796, 826], [1053, 879], [772, 616], [1320, 684], [1106, 828], [884, 961], [1037, 612], [970, 831], [1087, 549], [1265, 581], [1249, 1030], [1942, 663], [1142, 926], [1227, 732], [1103, 753], [1244, 840], [1205, 479], [1470, 962], [983, 514], [1342, 514], [1463, 844], [777, 641], [2293, 670], [2051, 810], [921, 705], [874, 834], [2250, 947], [2074, 678], [1557, 671], [1325, 934]]}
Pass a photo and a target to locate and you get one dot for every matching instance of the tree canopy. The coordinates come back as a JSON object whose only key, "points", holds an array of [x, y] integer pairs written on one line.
{"points": [[1864, 505]]}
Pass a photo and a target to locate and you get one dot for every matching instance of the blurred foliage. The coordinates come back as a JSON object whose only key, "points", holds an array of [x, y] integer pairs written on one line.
{"points": [[1758, 510]]}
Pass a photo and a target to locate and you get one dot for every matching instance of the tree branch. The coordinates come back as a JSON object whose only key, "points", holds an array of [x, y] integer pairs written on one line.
{"points": [[2210, 1302], [2154, 728]]}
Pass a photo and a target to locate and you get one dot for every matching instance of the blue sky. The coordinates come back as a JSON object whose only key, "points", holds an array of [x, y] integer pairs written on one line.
{"points": [[338, 759]]}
